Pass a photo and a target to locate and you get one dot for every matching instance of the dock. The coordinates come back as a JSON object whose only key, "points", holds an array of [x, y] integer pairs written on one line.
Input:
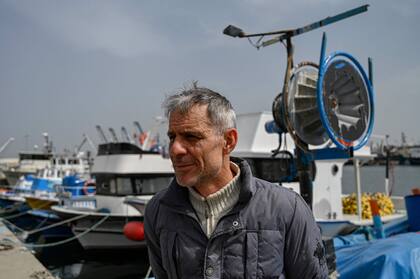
{"points": [[16, 261]]}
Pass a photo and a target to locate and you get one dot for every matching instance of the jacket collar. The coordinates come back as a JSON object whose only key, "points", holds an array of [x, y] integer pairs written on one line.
{"points": [[176, 197]]}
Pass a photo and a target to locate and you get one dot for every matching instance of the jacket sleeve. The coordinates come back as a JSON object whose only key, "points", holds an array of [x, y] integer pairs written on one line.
{"points": [[304, 251], [152, 240]]}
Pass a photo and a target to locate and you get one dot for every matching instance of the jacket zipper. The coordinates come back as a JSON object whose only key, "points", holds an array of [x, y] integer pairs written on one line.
{"points": [[208, 215]]}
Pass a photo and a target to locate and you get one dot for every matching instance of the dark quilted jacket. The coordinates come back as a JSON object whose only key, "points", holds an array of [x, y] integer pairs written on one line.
{"points": [[270, 233]]}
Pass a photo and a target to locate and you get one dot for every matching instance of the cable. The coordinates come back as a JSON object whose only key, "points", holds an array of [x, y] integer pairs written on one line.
{"points": [[58, 224], [68, 239], [15, 215]]}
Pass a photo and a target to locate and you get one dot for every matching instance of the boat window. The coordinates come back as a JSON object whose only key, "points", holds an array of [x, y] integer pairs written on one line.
{"points": [[149, 186], [334, 169], [104, 187], [131, 184], [113, 187], [124, 186], [32, 156], [62, 162], [73, 161]]}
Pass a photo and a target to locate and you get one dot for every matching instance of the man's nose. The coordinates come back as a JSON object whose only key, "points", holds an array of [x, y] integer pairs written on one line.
{"points": [[177, 148]]}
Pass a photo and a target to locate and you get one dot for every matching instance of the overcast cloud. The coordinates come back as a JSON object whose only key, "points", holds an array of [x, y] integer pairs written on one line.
{"points": [[66, 66]]}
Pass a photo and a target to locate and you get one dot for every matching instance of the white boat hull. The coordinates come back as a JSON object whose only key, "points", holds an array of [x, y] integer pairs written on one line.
{"points": [[106, 237]]}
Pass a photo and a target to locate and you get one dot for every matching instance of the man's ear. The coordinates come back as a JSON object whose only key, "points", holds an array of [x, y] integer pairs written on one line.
{"points": [[231, 139]]}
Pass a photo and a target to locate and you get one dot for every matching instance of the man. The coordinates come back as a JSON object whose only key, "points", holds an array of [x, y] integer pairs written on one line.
{"points": [[216, 220]]}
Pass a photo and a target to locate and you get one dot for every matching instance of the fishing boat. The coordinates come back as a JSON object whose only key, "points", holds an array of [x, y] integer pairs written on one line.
{"points": [[51, 188], [12, 195], [32, 162], [29, 163], [120, 169], [32, 199]]}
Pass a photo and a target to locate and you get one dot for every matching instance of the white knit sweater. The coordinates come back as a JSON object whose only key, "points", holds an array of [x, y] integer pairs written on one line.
{"points": [[210, 209]]}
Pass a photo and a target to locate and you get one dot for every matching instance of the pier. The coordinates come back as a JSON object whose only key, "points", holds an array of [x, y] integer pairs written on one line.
{"points": [[16, 261]]}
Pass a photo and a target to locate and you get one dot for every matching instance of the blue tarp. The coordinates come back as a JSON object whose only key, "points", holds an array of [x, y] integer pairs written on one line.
{"points": [[394, 257], [349, 240]]}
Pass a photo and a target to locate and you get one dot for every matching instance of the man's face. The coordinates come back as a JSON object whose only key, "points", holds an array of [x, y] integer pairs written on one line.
{"points": [[196, 148]]}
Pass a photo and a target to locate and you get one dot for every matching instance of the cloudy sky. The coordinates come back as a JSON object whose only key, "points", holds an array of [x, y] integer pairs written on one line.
{"points": [[66, 66]]}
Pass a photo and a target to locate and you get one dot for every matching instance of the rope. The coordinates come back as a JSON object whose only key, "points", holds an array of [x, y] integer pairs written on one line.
{"points": [[14, 226], [57, 224], [28, 245], [42, 222], [46, 227], [15, 215], [149, 270]]}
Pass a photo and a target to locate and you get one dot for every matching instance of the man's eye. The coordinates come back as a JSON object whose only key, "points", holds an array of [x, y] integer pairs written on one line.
{"points": [[192, 137]]}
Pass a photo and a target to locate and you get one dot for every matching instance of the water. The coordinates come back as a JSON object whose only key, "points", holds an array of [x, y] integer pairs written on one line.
{"points": [[401, 179], [70, 261]]}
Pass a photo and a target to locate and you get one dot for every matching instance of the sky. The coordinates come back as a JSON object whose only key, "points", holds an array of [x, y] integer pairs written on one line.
{"points": [[66, 66]]}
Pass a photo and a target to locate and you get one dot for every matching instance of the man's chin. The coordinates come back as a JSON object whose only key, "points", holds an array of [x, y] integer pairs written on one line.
{"points": [[184, 182]]}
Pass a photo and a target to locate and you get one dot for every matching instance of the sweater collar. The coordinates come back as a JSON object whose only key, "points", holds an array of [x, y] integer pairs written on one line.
{"points": [[225, 197], [177, 197]]}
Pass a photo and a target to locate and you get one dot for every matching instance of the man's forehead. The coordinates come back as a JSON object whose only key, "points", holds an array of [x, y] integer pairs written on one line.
{"points": [[194, 109], [197, 113], [195, 120], [189, 126]]}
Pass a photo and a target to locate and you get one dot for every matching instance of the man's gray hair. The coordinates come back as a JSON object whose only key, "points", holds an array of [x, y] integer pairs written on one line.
{"points": [[219, 109]]}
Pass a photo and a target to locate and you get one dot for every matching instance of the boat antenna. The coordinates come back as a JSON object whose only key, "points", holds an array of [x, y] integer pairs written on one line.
{"points": [[140, 133], [138, 126], [101, 134], [113, 134], [3, 147], [125, 136], [48, 145]]}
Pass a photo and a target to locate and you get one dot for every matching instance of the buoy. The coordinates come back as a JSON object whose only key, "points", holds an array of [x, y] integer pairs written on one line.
{"points": [[134, 230], [87, 187]]}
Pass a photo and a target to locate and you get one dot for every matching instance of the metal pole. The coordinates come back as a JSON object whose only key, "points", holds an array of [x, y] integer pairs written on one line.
{"points": [[388, 155], [387, 174], [305, 179], [356, 164]]}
